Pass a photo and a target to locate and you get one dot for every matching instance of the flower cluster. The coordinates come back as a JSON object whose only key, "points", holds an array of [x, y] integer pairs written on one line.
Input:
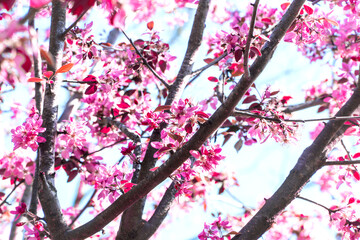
{"points": [[27, 135], [17, 167], [214, 231]]}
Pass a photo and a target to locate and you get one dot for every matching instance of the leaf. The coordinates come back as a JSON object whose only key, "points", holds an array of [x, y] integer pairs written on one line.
{"points": [[238, 54], [332, 22], [255, 50], [91, 89], [35, 79], [175, 137], [48, 74], [65, 68], [308, 9], [208, 60], [72, 175], [238, 145], [356, 174], [284, 6], [162, 65], [48, 57], [249, 99], [213, 79], [150, 25], [162, 108]]}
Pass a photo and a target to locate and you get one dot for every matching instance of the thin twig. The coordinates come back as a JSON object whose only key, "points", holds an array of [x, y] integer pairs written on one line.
{"points": [[111, 145], [74, 23], [30, 14], [320, 205], [145, 61], [81, 82], [249, 38], [199, 71], [14, 188], [335, 163], [302, 106], [339, 118], [84, 208]]}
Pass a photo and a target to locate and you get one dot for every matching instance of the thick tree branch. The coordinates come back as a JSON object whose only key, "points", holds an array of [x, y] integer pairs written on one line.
{"points": [[206, 130], [47, 192], [311, 160]]}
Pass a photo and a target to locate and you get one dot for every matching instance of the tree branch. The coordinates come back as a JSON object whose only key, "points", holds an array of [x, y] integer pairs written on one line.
{"points": [[74, 23], [195, 74], [302, 106], [249, 38], [145, 62], [318, 204], [253, 115], [338, 163], [84, 208], [47, 192]]}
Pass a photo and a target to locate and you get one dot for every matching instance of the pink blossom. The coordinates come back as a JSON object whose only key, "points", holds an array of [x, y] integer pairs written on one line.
{"points": [[21, 209], [26, 135]]}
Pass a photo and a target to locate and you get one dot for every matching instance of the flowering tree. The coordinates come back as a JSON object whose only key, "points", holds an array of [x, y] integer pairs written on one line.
{"points": [[127, 97]]}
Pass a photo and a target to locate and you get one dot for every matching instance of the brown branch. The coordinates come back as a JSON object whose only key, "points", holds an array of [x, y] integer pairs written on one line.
{"points": [[145, 61], [47, 191], [249, 38], [74, 23], [302, 106], [14, 188], [195, 74], [318, 204], [253, 115], [83, 209], [338, 163]]}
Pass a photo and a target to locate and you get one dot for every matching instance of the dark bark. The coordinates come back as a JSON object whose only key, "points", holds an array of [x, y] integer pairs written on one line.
{"points": [[47, 192]]}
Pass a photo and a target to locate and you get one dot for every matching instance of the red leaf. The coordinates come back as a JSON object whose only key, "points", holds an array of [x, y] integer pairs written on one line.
{"points": [[48, 74], [65, 68], [47, 57], [351, 200], [238, 54], [105, 129], [90, 78], [255, 50], [72, 175], [19, 224], [91, 89], [208, 60], [250, 99], [356, 174], [356, 155], [7, 4], [308, 9], [35, 79], [162, 65], [284, 6], [213, 79], [81, 6], [150, 25]]}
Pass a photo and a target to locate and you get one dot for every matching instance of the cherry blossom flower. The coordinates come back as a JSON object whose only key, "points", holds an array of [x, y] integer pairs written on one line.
{"points": [[27, 135]]}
